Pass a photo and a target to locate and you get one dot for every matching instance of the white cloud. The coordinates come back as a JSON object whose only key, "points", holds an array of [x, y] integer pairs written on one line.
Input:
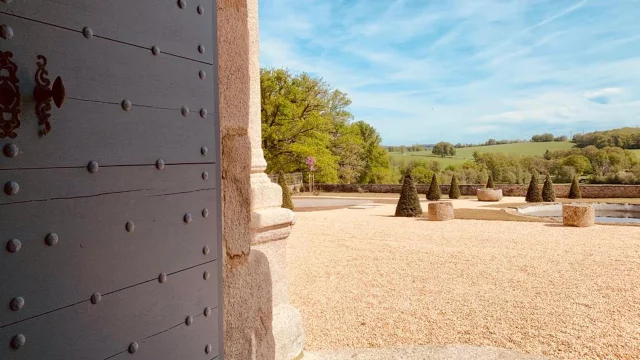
{"points": [[414, 68]]}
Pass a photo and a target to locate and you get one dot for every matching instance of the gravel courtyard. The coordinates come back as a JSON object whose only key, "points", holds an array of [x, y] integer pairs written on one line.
{"points": [[362, 278]]}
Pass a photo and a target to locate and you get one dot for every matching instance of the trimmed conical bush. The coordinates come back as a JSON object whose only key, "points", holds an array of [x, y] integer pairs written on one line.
{"points": [[409, 203], [533, 193], [574, 191], [287, 203], [548, 194], [454, 189], [434, 189], [490, 184]]}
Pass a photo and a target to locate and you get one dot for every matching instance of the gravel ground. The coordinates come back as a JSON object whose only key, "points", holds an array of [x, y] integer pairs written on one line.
{"points": [[362, 278]]}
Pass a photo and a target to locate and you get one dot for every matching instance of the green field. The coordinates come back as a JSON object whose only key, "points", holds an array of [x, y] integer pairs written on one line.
{"points": [[464, 154]]}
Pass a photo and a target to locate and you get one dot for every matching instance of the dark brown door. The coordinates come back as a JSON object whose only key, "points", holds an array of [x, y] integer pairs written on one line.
{"points": [[109, 210]]}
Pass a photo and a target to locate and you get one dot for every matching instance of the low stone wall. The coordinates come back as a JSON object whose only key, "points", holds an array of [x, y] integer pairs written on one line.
{"points": [[562, 190]]}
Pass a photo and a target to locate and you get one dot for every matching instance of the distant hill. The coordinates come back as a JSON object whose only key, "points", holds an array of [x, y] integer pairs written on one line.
{"points": [[465, 154], [626, 138]]}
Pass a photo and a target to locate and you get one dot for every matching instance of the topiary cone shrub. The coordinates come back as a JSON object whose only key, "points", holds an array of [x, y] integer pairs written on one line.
{"points": [[574, 191], [454, 189], [434, 189], [490, 184], [548, 194], [287, 203], [533, 193], [409, 203]]}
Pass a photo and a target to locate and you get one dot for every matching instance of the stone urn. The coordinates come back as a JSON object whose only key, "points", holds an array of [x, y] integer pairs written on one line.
{"points": [[578, 215], [441, 211], [489, 194]]}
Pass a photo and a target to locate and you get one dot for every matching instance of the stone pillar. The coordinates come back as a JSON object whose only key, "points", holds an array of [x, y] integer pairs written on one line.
{"points": [[270, 223], [259, 322]]}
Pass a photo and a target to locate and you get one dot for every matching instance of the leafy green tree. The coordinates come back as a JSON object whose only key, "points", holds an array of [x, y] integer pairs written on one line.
{"points": [[287, 202], [303, 116], [434, 189], [490, 184], [422, 174], [548, 193], [546, 137], [348, 147], [454, 189], [409, 202], [299, 114], [377, 168], [580, 163], [574, 191], [533, 193], [443, 149]]}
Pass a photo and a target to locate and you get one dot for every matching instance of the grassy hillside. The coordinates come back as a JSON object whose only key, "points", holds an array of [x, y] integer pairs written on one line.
{"points": [[464, 154]]}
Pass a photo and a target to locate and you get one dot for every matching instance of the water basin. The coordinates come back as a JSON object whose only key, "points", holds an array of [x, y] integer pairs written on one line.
{"points": [[605, 213]]}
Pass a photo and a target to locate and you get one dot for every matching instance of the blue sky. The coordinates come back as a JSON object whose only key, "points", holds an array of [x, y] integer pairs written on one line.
{"points": [[423, 71]]}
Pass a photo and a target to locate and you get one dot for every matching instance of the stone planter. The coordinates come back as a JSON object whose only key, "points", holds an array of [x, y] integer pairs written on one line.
{"points": [[441, 211], [579, 215], [489, 194]]}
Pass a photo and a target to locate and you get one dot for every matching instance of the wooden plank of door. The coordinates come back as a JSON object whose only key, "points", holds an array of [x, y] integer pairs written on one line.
{"points": [[44, 185], [181, 343], [87, 131], [95, 250], [105, 329], [101, 70], [175, 30]]}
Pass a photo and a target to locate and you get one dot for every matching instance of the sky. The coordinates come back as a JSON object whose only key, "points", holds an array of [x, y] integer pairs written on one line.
{"points": [[423, 71]]}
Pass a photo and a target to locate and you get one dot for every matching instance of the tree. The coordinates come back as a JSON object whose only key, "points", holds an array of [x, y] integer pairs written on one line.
{"points": [[409, 203], [443, 149], [299, 116], [580, 163], [533, 193], [548, 193], [574, 191], [546, 137], [434, 189], [454, 189], [348, 147], [490, 184], [287, 203], [304, 116], [421, 174], [377, 163]]}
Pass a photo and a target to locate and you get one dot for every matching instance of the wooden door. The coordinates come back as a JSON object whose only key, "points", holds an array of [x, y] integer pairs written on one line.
{"points": [[110, 209]]}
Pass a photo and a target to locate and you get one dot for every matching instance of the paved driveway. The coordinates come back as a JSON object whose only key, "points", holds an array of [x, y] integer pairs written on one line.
{"points": [[302, 203]]}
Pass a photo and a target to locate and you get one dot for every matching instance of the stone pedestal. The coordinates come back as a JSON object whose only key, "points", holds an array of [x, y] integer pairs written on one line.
{"points": [[489, 194], [578, 215], [441, 211]]}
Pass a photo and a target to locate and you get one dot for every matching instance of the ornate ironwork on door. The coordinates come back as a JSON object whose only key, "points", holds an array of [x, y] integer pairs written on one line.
{"points": [[9, 96], [43, 95]]}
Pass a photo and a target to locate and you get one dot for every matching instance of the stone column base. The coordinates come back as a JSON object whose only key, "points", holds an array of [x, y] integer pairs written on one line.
{"points": [[288, 332]]}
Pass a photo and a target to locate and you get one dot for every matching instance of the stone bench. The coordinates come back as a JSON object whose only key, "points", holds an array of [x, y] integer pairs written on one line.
{"points": [[580, 215], [441, 211], [489, 194]]}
